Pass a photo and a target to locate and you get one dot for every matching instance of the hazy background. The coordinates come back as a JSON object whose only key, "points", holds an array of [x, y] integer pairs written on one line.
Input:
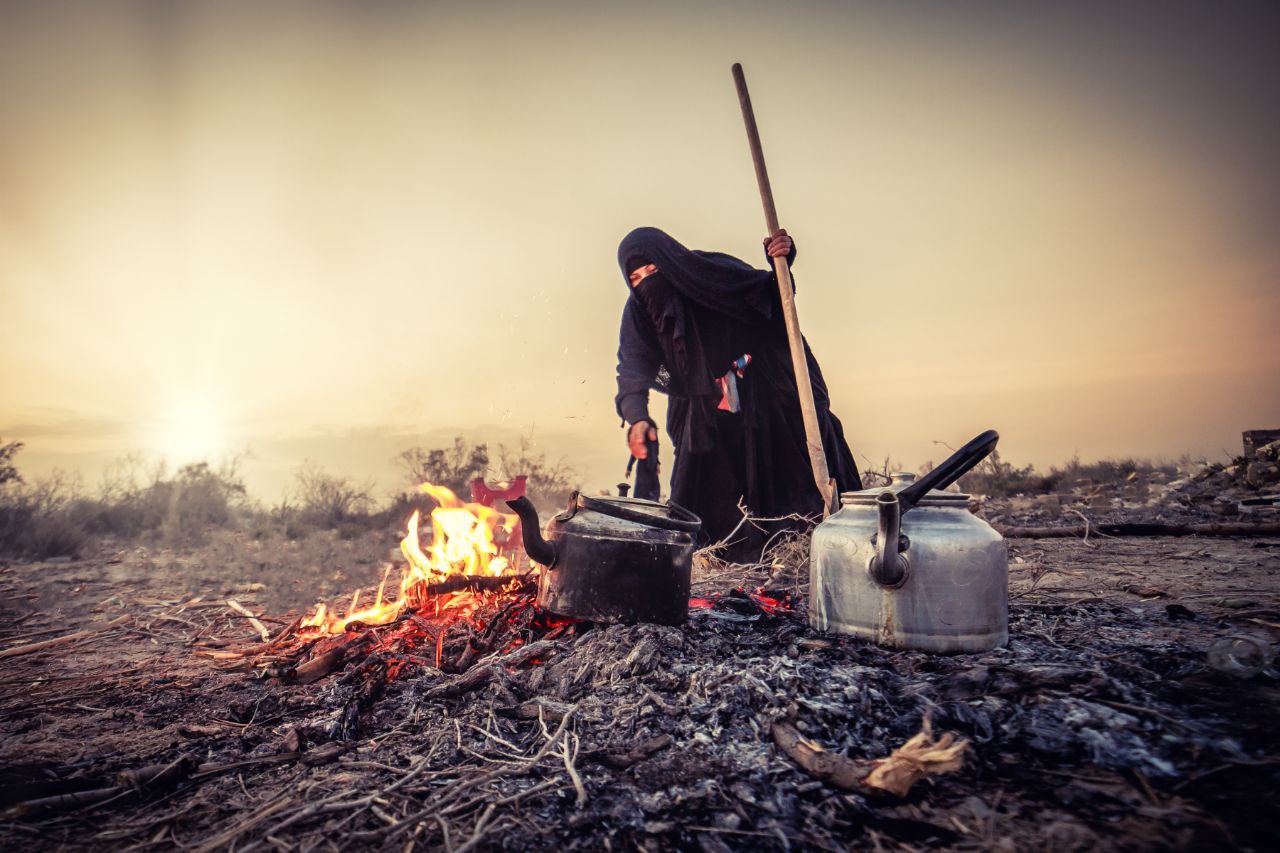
{"points": [[333, 230]]}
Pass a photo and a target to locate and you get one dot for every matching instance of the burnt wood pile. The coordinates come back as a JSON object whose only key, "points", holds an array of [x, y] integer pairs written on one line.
{"points": [[1100, 724]]}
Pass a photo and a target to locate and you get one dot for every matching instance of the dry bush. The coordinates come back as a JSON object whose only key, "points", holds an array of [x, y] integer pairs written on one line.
{"points": [[876, 477], [548, 485], [329, 500], [179, 508], [549, 482], [54, 517], [454, 467], [9, 472], [43, 519], [995, 477], [1113, 471]]}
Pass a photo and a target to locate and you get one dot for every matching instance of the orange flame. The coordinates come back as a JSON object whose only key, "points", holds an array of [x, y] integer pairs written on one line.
{"points": [[463, 541]]}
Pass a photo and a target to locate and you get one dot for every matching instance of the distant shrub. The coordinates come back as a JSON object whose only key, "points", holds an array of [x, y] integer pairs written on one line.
{"points": [[43, 519], [295, 528], [53, 517], [352, 530], [1113, 471], [549, 482], [454, 467], [995, 477], [405, 504], [874, 477], [54, 536], [548, 485], [179, 509], [330, 500], [8, 472]]}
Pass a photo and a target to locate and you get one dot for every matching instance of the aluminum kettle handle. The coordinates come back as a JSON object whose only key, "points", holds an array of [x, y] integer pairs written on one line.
{"points": [[953, 468], [888, 566]]}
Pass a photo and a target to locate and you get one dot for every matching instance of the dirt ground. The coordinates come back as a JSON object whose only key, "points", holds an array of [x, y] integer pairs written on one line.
{"points": [[1099, 725]]}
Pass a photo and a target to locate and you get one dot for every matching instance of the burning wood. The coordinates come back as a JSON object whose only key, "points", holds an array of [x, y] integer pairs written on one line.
{"points": [[463, 545], [461, 609]]}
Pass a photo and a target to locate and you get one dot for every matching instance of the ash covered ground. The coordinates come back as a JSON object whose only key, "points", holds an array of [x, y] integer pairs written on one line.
{"points": [[1100, 724]]}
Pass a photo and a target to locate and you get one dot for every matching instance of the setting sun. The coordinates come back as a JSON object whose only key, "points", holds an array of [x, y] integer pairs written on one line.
{"points": [[192, 431]]}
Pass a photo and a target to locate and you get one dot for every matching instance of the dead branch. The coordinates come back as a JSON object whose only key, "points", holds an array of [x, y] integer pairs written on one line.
{"points": [[918, 758], [817, 762], [548, 708], [66, 802], [253, 620], [61, 641], [519, 584], [488, 668], [1152, 528], [638, 753]]}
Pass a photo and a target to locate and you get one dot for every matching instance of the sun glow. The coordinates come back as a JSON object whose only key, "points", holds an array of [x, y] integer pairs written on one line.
{"points": [[192, 431]]}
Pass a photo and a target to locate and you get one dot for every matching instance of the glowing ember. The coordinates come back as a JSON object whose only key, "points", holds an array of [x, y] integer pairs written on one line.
{"points": [[465, 540], [762, 602]]}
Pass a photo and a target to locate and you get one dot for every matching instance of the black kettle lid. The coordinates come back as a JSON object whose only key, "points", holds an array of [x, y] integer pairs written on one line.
{"points": [[665, 516]]}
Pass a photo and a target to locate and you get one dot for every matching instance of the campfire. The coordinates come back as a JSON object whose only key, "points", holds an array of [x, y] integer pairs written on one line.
{"points": [[468, 541], [464, 593], [465, 598]]}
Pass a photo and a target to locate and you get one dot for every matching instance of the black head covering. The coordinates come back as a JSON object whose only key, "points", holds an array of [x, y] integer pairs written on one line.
{"points": [[714, 280]]}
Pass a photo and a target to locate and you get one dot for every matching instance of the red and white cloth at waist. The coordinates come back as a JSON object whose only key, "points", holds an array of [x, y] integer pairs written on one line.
{"points": [[729, 401]]}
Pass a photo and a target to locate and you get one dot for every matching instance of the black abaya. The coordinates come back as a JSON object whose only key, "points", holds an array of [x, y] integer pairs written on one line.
{"points": [[681, 330]]}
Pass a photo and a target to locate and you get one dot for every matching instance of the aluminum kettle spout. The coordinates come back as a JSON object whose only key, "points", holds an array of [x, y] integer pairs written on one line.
{"points": [[888, 565], [538, 548]]}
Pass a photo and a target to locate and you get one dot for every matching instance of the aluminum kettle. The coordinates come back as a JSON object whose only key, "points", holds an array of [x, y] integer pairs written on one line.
{"points": [[936, 579]]}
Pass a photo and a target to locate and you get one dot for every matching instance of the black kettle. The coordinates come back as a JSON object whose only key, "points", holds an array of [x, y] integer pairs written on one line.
{"points": [[613, 559]]}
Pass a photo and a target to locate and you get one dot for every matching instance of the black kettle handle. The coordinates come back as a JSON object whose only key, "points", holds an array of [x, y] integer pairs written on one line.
{"points": [[953, 468], [681, 518]]}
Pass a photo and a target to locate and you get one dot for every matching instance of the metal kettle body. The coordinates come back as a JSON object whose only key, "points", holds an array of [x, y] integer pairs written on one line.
{"points": [[935, 578], [613, 559]]}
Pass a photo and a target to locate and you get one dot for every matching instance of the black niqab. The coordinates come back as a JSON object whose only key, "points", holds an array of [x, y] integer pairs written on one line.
{"points": [[713, 280]]}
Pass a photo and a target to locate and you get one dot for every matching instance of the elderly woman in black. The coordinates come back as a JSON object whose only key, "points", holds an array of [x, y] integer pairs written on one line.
{"points": [[706, 329]]}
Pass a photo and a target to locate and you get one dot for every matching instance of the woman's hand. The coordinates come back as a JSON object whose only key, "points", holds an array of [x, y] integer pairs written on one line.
{"points": [[640, 432], [779, 246]]}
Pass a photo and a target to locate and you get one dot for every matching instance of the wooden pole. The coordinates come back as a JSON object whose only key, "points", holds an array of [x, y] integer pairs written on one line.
{"points": [[804, 387]]}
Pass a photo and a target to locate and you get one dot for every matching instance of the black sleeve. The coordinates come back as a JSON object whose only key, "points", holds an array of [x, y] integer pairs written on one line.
{"points": [[638, 362]]}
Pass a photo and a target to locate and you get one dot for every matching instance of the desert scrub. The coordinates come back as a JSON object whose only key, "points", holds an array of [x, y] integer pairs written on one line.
{"points": [[52, 516], [321, 499], [548, 482], [41, 519]]}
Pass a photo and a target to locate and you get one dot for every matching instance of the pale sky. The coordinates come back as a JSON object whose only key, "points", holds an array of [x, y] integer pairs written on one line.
{"points": [[333, 230]]}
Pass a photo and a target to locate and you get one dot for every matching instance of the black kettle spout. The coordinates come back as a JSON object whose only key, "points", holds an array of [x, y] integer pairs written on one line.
{"points": [[538, 548]]}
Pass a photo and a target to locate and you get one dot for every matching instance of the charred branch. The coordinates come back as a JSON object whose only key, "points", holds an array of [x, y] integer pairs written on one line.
{"points": [[1144, 529]]}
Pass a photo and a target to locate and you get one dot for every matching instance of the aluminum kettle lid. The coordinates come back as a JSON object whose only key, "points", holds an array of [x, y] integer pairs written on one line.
{"points": [[901, 480]]}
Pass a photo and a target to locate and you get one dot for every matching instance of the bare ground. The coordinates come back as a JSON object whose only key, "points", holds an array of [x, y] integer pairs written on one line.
{"points": [[1099, 725]]}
